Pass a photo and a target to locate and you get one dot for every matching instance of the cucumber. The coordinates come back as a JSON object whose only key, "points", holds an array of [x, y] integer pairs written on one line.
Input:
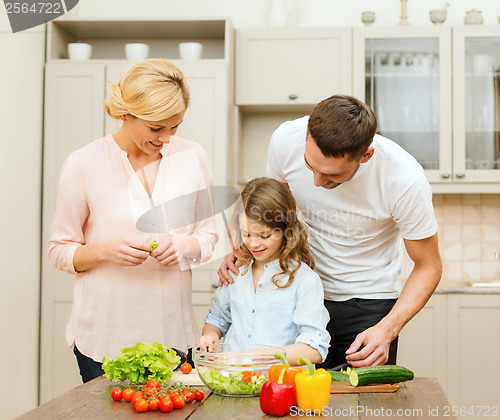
{"points": [[339, 376], [379, 375]]}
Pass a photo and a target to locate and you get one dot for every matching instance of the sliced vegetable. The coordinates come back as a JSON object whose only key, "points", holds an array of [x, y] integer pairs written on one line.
{"points": [[339, 376], [153, 245], [141, 363], [379, 375], [234, 383]]}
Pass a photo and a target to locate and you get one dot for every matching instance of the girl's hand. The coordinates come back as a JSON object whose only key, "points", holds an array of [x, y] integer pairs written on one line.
{"points": [[166, 253], [208, 342], [126, 252]]}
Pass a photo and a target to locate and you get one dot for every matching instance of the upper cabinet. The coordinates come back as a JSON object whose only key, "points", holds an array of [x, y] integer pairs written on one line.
{"points": [[108, 37], [436, 92], [403, 73], [476, 104], [280, 66]]}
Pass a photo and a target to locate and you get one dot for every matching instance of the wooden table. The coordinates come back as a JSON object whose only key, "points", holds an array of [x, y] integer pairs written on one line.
{"points": [[421, 398]]}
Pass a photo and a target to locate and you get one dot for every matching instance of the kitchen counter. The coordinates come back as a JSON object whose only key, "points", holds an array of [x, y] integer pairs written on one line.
{"points": [[420, 398], [468, 288]]}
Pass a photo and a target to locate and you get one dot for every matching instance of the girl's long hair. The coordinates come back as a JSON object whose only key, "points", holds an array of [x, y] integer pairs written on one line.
{"points": [[270, 203]]}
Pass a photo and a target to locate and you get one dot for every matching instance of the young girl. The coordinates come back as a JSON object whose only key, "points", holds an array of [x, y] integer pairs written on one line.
{"points": [[277, 298]]}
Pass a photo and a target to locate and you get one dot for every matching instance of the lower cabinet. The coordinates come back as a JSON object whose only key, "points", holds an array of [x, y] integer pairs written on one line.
{"points": [[455, 338]]}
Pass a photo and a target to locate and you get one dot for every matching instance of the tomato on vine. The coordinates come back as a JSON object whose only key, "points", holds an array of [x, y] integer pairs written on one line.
{"points": [[166, 405], [141, 405], [117, 394], [199, 395], [128, 394], [178, 401]]}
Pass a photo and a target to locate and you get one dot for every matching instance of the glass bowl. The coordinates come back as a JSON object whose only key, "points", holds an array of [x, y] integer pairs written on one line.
{"points": [[237, 370]]}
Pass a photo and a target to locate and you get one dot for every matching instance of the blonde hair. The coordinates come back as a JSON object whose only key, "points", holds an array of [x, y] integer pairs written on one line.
{"points": [[151, 90], [269, 202]]}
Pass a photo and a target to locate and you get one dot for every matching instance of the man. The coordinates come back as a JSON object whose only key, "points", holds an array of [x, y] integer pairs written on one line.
{"points": [[358, 193]]}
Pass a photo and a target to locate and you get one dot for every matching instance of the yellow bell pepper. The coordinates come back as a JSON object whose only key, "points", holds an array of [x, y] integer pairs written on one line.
{"points": [[313, 387]]}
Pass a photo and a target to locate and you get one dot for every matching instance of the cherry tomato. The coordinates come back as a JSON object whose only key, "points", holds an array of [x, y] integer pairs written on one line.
{"points": [[117, 394], [166, 405], [128, 394], [186, 368], [141, 405], [189, 396], [199, 395], [178, 401], [153, 404], [138, 395], [153, 383]]}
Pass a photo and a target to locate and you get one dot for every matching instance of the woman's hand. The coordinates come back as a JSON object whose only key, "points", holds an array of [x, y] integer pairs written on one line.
{"points": [[167, 253], [127, 252]]}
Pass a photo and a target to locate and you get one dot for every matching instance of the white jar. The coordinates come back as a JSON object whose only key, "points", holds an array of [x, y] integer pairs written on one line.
{"points": [[79, 51], [473, 17], [136, 51]]}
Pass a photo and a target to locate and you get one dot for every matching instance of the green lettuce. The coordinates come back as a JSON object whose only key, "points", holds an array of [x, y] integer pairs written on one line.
{"points": [[142, 362], [233, 384]]}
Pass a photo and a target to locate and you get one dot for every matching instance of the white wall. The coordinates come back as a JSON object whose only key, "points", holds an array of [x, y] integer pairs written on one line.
{"points": [[245, 13], [21, 73]]}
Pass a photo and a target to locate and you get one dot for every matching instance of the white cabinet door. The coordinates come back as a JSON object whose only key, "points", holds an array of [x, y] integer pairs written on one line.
{"points": [[473, 350], [73, 118], [299, 66], [476, 104], [422, 342], [403, 74]]}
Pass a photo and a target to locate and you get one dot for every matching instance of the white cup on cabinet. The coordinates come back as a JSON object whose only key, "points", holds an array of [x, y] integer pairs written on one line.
{"points": [[190, 50], [136, 51], [79, 51]]}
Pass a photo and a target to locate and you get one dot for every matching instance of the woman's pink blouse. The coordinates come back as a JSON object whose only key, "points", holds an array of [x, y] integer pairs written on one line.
{"points": [[100, 198]]}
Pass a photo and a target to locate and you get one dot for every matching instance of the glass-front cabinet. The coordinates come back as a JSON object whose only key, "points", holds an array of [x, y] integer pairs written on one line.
{"points": [[476, 103], [436, 92], [403, 73]]}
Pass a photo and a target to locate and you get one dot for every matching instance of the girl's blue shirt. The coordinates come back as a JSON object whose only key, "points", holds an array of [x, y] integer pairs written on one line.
{"points": [[271, 315]]}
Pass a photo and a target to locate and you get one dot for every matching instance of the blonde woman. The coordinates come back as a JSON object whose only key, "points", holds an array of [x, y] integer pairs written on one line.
{"points": [[126, 291]]}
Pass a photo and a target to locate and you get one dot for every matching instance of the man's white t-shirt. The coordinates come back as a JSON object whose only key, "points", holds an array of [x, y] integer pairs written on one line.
{"points": [[355, 229]]}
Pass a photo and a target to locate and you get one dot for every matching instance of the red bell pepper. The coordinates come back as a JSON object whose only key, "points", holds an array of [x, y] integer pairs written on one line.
{"points": [[277, 398]]}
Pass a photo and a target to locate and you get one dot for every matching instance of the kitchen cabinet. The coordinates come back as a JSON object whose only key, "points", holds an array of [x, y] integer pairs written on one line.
{"points": [[473, 363], [282, 66], [433, 91], [403, 74], [476, 104], [454, 338], [74, 116], [281, 74]]}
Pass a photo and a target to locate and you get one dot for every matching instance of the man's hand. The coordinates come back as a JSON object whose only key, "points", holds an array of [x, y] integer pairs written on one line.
{"points": [[230, 263], [370, 348]]}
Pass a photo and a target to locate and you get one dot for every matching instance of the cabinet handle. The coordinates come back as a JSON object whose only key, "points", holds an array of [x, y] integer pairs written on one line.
{"points": [[460, 175], [445, 175], [292, 96]]}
